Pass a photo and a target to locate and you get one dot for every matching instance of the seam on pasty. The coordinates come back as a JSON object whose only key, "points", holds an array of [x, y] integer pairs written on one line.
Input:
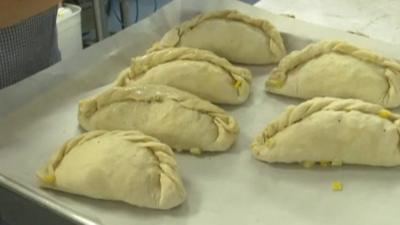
{"points": [[140, 65], [226, 123], [390, 93], [162, 171], [315, 50], [386, 97], [266, 27], [58, 156], [297, 113], [397, 123], [182, 101]]}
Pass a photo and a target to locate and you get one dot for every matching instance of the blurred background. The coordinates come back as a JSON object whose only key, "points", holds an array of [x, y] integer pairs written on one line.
{"points": [[81, 23]]}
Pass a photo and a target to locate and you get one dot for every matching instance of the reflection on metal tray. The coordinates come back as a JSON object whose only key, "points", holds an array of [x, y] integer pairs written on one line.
{"points": [[17, 210]]}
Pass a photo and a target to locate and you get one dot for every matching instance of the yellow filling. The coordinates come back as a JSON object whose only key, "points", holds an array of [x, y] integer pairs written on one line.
{"points": [[238, 84], [384, 113], [337, 186], [195, 151], [325, 163], [49, 179], [276, 83]]}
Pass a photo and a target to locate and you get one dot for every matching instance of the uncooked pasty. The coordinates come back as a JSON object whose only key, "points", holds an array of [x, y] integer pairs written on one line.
{"points": [[331, 131], [230, 34], [177, 118], [126, 166], [337, 69], [199, 72]]}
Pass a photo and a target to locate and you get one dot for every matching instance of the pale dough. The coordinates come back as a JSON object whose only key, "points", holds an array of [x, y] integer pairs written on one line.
{"points": [[199, 72], [230, 34], [331, 130], [180, 119], [337, 69], [125, 166]]}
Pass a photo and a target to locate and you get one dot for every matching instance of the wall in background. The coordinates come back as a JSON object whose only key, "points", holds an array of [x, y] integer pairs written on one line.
{"points": [[138, 9]]}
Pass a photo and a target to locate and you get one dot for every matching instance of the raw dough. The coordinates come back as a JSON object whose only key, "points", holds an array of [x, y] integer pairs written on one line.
{"points": [[337, 69], [180, 119], [331, 130], [199, 72], [126, 166], [230, 34]]}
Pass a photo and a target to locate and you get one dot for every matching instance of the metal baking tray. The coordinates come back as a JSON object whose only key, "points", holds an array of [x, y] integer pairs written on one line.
{"points": [[38, 114]]}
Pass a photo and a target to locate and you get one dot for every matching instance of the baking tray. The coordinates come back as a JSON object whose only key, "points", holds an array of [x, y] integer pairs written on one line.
{"points": [[38, 114]]}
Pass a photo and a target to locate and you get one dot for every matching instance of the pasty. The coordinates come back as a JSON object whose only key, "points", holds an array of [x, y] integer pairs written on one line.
{"points": [[331, 131], [230, 34], [199, 72], [337, 69], [125, 166], [177, 118]]}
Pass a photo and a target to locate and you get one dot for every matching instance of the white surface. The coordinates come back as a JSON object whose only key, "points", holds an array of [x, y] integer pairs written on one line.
{"points": [[69, 30], [38, 114], [378, 19]]}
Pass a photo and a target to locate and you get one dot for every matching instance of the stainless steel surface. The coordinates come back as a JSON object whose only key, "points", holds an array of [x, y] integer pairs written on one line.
{"points": [[16, 209], [38, 114], [378, 19], [100, 19], [23, 208]]}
